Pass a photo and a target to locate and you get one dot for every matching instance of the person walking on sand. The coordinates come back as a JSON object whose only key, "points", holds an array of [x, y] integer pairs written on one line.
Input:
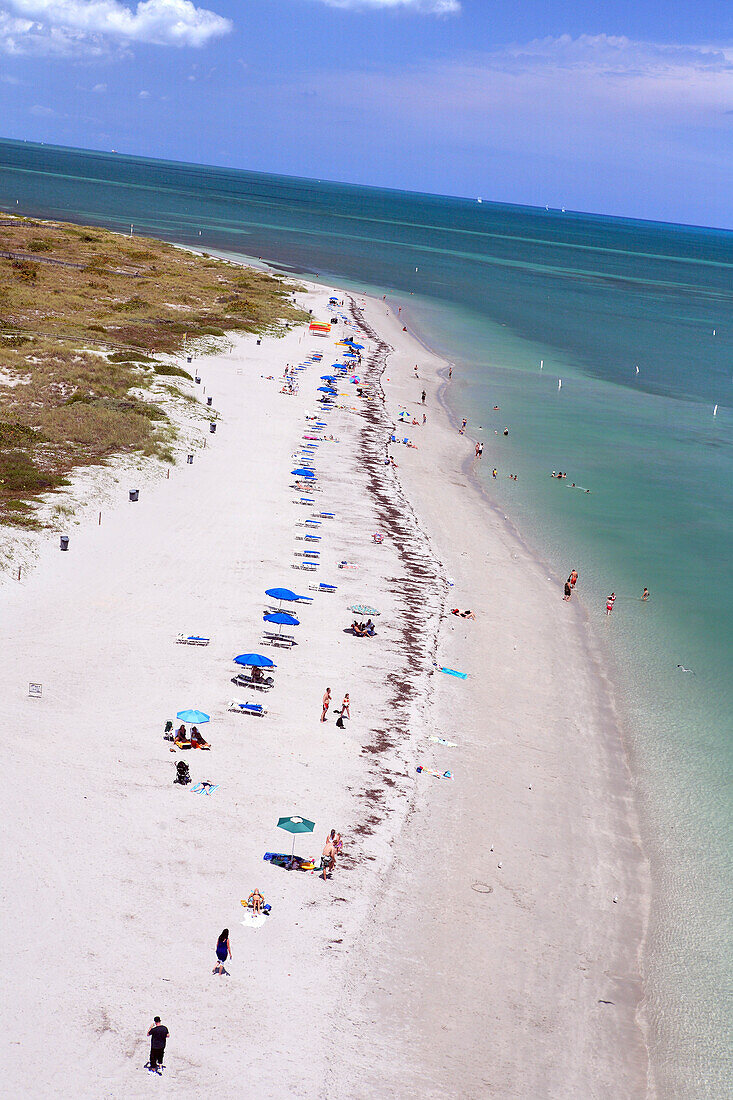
{"points": [[424, 395], [493, 473], [223, 952], [463, 426], [610, 602], [344, 712], [568, 589], [450, 373], [158, 1034], [573, 578], [480, 450], [326, 704]]}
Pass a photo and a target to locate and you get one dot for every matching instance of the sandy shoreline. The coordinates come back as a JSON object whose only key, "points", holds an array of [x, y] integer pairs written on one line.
{"points": [[422, 967]]}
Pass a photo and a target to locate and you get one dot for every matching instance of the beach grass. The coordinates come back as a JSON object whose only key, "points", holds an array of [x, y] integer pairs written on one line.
{"points": [[89, 321]]}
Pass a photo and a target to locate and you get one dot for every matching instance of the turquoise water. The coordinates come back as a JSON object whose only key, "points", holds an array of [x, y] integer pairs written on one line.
{"points": [[499, 289]]}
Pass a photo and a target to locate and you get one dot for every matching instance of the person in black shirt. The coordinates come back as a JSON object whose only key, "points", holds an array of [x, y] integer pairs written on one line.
{"points": [[158, 1034]]}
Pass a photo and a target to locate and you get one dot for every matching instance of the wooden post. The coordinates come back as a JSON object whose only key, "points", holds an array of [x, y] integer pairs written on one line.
{"points": [[100, 520], [18, 572]]}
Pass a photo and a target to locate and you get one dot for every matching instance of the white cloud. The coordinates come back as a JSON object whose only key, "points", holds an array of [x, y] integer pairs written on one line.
{"points": [[67, 27], [143, 94], [41, 112], [100, 89], [420, 7]]}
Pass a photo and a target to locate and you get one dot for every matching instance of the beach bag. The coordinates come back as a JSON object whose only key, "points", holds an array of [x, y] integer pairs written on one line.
{"points": [[182, 775], [340, 721]]}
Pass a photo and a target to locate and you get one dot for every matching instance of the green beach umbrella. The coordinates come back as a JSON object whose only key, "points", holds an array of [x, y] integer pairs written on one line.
{"points": [[296, 825]]}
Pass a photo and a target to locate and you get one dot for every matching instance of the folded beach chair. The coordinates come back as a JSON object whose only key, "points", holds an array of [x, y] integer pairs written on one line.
{"points": [[255, 709], [322, 587], [304, 500], [306, 566], [327, 515], [192, 639]]}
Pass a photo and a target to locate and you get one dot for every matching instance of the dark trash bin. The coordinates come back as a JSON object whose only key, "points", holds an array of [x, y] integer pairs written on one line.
{"points": [[134, 494], [212, 427], [64, 540], [188, 358], [209, 400], [189, 460], [259, 342], [197, 380]]}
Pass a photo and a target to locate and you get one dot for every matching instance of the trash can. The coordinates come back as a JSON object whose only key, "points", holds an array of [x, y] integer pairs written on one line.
{"points": [[197, 380], [134, 494], [64, 542], [259, 341], [209, 400], [188, 358], [212, 426], [189, 460]]}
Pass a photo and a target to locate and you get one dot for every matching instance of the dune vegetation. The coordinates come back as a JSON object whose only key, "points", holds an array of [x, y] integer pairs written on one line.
{"points": [[89, 321]]}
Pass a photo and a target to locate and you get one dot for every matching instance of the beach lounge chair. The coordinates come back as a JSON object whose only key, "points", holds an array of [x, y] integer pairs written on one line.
{"points": [[348, 565], [305, 501], [322, 587], [306, 566], [327, 515], [258, 685], [271, 637], [255, 709], [192, 639]]}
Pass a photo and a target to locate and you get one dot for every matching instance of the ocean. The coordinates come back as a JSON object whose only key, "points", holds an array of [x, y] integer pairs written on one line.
{"points": [[635, 319]]}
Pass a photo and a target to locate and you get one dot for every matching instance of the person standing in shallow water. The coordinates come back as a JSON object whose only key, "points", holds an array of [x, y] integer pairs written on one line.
{"points": [[610, 602], [424, 395]]}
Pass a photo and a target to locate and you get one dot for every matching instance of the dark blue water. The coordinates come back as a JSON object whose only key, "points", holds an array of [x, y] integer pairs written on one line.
{"points": [[500, 289]]}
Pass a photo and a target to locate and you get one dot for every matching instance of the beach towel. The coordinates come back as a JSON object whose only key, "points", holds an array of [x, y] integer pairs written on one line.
{"points": [[431, 771], [452, 672], [442, 741]]}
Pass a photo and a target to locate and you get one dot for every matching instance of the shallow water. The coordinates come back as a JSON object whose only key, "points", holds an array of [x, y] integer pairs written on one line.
{"points": [[499, 289]]}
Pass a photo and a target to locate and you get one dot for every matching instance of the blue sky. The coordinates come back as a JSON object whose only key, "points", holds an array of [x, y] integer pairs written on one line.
{"points": [[621, 108]]}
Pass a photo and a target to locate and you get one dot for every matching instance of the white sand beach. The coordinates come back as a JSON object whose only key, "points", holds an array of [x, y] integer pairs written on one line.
{"points": [[468, 943]]}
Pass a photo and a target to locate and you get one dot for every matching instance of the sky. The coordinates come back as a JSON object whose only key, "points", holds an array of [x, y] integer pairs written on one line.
{"points": [[618, 108]]}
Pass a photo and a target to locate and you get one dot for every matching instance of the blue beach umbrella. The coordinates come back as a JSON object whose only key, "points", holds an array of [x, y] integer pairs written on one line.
{"points": [[192, 717], [302, 472], [360, 347], [254, 660], [326, 389], [285, 594], [327, 377], [281, 618]]}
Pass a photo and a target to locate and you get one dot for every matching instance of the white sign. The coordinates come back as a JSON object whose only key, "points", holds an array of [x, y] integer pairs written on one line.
{"points": [[35, 689]]}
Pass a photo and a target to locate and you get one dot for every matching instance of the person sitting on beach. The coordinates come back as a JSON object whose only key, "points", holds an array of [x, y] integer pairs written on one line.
{"points": [[257, 676], [369, 628], [181, 740], [256, 900], [197, 741]]}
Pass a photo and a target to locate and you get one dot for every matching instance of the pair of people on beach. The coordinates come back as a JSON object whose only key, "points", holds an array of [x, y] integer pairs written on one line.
{"points": [[570, 584], [332, 848], [343, 713]]}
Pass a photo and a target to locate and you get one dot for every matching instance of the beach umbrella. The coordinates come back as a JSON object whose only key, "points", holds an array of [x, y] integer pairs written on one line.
{"points": [[285, 594], [359, 347], [326, 389], [296, 825], [362, 609], [254, 660], [192, 717], [327, 377], [281, 619], [302, 472]]}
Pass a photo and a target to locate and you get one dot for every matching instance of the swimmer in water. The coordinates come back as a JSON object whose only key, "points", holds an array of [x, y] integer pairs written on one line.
{"points": [[645, 594]]}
